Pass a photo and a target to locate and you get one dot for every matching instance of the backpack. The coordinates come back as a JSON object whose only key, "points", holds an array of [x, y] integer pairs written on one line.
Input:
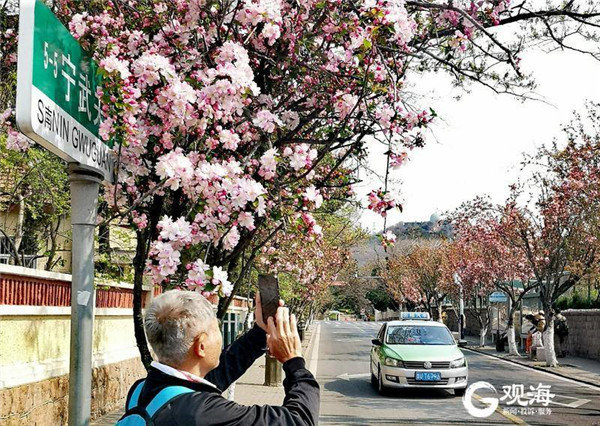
{"points": [[561, 327], [142, 416]]}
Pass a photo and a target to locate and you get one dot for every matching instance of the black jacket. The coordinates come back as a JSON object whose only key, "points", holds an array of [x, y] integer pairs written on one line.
{"points": [[206, 406]]}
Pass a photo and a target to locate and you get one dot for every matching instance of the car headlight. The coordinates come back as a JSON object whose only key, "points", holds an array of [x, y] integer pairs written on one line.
{"points": [[457, 363], [391, 362]]}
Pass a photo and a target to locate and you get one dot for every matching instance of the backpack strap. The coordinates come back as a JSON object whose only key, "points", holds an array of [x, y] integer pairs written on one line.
{"points": [[135, 396], [164, 396]]}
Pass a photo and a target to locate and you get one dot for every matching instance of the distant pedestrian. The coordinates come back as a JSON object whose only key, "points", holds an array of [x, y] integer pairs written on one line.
{"points": [[538, 321], [561, 333]]}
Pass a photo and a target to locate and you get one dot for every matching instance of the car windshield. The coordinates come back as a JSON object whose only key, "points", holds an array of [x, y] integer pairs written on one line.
{"points": [[419, 335]]}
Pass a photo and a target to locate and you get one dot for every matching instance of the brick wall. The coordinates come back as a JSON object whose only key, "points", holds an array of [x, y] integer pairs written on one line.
{"points": [[584, 332]]}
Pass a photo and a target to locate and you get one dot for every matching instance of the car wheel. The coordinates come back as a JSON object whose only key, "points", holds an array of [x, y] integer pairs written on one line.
{"points": [[460, 392], [380, 386], [374, 381]]}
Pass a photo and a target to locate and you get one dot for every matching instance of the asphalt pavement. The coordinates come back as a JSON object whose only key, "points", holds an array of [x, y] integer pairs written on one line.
{"points": [[341, 360]]}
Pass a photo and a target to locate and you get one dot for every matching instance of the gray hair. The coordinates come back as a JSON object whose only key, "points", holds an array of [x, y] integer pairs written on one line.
{"points": [[173, 320]]}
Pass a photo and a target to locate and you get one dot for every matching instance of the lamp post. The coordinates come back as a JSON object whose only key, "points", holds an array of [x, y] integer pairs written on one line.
{"points": [[461, 308]]}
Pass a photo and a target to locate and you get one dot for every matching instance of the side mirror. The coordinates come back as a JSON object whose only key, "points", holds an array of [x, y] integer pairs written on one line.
{"points": [[376, 342], [462, 343]]}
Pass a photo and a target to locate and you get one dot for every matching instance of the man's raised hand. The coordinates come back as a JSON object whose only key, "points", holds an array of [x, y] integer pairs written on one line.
{"points": [[283, 339]]}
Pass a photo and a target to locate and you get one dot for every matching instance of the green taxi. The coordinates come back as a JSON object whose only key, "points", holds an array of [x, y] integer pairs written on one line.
{"points": [[415, 352]]}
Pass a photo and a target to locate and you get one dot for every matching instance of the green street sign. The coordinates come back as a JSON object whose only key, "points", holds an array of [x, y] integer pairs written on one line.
{"points": [[57, 105]]}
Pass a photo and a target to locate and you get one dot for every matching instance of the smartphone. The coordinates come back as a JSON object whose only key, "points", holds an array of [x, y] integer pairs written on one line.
{"points": [[269, 295]]}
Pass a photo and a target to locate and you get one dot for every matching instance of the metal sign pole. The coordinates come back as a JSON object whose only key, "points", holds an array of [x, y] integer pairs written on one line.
{"points": [[84, 209], [58, 107]]}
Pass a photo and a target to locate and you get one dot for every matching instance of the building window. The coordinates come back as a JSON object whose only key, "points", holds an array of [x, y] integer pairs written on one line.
{"points": [[29, 260]]}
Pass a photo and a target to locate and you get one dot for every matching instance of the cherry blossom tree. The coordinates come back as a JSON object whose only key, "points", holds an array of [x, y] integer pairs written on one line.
{"points": [[232, 119], [556, 227], [416, 275], [484, 229], [472, 280], [308, 266]]}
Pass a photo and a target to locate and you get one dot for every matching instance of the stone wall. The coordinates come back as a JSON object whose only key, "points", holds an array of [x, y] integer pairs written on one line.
{"points": [[584, 332], [471, 326], [45, 403]]}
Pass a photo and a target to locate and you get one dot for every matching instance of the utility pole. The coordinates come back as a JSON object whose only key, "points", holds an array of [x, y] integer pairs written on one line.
{"points": [[461, 308]]}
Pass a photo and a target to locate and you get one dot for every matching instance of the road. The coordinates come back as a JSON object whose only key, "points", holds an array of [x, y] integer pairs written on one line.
{"points": [[341, 360]]}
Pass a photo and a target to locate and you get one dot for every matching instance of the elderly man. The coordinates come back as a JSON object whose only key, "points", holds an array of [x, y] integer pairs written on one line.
{"points": [[184, 385]]}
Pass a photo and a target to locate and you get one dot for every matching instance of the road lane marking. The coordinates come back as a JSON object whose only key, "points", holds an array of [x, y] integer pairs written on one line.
{"points": [[575, 404], [516, 420], [347, 376], [314, 356], [537, 370]]}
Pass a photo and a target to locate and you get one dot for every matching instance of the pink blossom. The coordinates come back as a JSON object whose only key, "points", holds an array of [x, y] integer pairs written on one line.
{"points": [[380, 202], [291, 119], [312, 194], [396, 160], [231, 239], [140, 221], [149, 67], [78, 25], [271, 33], [268, 164], [385, 114], [106, 128], [267, 121], [246, 220], [167, 257], [178, 231], [220, 279], [344, 104], [197, 277], [175, 167], [16, 141], [229, 139], [114, 64]]}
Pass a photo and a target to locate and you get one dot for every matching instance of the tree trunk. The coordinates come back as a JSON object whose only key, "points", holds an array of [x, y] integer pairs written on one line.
{"points": [[139, 263], [510, 331], [439, 311], [482, 333], [548, 340], [19, 231], [53, 244], [512, 344]]}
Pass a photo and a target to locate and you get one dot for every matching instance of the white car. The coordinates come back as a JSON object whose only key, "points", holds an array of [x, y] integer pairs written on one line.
{"points": [[417, 353]]}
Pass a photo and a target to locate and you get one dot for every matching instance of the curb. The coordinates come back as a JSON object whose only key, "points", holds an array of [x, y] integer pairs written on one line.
{"points": [[555, 373], [308, 352]]}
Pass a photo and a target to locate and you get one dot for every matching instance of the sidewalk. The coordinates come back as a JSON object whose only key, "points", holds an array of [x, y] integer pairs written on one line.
{"points": [[249, 389], [572, 367]]}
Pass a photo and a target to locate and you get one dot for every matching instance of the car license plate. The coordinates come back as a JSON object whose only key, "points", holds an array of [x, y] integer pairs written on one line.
{"points": [[427, 376]]}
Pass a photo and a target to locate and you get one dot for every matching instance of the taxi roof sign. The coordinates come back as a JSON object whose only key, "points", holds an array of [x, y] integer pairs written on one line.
{"points": [[414, 316]]}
